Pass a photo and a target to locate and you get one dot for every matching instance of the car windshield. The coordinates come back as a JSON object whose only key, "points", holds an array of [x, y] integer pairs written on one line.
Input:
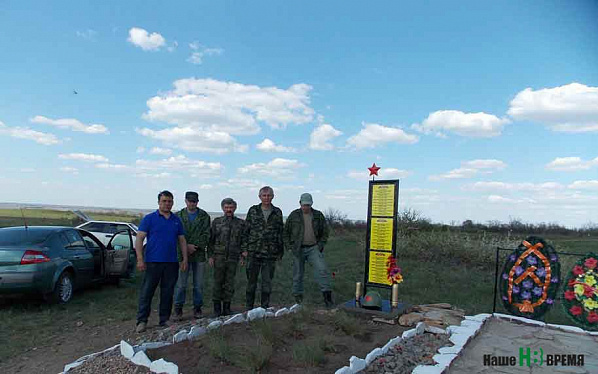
{"points": [[11, 237]]}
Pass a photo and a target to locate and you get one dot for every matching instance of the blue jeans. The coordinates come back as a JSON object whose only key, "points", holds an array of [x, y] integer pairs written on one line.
{"points": [[316, 259], [165, 274], [197, 268]]}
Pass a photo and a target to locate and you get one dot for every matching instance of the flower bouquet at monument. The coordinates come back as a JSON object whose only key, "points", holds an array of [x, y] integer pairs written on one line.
{"points": [[393, 271]]}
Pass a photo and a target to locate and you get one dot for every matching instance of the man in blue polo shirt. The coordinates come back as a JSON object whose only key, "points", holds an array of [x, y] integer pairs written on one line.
{"points": [[163, 230]]}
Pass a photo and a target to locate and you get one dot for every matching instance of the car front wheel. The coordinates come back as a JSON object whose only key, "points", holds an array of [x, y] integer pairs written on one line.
{"points": [[63, 291]]}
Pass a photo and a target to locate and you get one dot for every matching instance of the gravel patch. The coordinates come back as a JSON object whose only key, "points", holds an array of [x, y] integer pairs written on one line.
{"points": [[405, 356], [109, 362]]}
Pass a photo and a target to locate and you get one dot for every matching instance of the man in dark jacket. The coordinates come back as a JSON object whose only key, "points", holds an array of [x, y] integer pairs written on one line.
{"points": [[196, 223], [305, 235], [265, 246], [228, 239]]}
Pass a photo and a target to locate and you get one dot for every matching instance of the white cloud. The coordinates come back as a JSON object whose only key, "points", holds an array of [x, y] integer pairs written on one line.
{"points": [[83, 157], [234, 108], [195, 140], [72, 124], [108, 166], [27, 133], [268, 145], [571, 164], [470, 169], [162, 175], [160, 151], [140, 149], [242, 183], [321, 136], [383, 173], [513, 187], [584, 185], [180, 163], [373, 135], [278, 167], [199, 52], [144, 40], [478, 125], [86, 34], [67, 169], [569, 108]]}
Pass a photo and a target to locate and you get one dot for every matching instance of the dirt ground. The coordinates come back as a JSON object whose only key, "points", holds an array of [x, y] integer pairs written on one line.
{"points": [[287, 345]]}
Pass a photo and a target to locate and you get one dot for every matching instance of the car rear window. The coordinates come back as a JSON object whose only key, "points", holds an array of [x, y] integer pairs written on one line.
{"points": [[23, 237]]}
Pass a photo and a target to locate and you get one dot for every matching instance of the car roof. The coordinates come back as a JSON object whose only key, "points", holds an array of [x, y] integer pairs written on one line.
{"points": [[120, 223], [37, 228]]}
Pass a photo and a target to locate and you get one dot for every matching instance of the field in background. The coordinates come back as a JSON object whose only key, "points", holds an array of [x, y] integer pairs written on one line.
{"points": [[439, 265], [50, 217]]}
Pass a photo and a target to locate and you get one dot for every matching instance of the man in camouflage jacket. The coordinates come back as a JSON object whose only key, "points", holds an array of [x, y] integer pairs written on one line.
{"points": [[227, 245], [196, 223], [265, 246]]}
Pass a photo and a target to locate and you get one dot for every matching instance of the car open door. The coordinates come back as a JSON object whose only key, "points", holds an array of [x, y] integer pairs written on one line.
{"points": [[117, 253]]}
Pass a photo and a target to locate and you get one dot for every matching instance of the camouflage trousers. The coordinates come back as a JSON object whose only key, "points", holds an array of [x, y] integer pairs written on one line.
{"points": [[255, 266], [224, 279]]}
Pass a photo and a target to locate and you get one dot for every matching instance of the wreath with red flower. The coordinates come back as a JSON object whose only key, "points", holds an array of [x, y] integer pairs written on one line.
{"points": [[580, 297], [393, 271]]}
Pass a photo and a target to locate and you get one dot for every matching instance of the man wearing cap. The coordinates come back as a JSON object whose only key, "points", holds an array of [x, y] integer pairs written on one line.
{"points": [[264, 244], [305, 235], [196, 223], [228, 241], [159, 261]]}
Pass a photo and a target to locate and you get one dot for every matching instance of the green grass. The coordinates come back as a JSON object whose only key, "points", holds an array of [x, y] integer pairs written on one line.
{"points": [[309, 352]]}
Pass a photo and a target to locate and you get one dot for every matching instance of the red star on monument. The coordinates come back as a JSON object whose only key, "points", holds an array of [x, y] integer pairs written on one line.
{"points": [[374, 169]]}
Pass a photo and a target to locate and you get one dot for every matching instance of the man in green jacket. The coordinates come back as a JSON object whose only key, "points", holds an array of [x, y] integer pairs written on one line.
{"points": [[265, 246], [196, 223], [228, 240], [305, 235]]}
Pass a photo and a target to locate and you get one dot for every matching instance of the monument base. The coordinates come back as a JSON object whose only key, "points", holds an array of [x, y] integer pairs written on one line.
{"points": [[386, 312]]}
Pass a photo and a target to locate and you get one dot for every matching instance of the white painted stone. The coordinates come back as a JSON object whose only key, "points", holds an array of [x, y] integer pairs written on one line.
{"points": [[464, 330], [567, 328], [391, 343], [471, 323], [163, 366], [444, 359], [282, 312], [408, 334], [126, 350], [459, 340], [427, 369], [435, 330], [72, 365], [180, 336], [256, 313], [521, 319], [420, 328], [450, 350], [237, 318], [271, 309], [81, 360], [270, 314], [214, 325], [373, 355], [140, 358], [479, 317], [344, 370], [357, 364], [195, 332], [151, 345], [295, 308]]}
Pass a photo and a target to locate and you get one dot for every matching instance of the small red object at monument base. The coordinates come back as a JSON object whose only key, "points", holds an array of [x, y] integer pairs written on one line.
{"points": [[374, 169]]}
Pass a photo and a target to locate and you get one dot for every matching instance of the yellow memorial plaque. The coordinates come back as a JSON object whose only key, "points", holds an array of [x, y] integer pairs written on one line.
{"points": [[381, 234], [377, 267], [383, 199]]}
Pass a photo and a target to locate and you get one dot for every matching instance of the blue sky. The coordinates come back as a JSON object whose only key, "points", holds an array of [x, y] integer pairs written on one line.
{"points": [[483, 111]]}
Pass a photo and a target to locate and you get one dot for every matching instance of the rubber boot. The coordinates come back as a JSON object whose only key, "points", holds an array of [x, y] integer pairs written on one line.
{"points": [[298, 299], [217, 308], [328, 299], [226, 308], [178, 313]]}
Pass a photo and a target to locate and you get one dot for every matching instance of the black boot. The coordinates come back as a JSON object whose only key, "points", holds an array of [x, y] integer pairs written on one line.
{"points": [[217, 308], [328, 299], [226, 308], [249, 300], [265, 300], [298, 299]]}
